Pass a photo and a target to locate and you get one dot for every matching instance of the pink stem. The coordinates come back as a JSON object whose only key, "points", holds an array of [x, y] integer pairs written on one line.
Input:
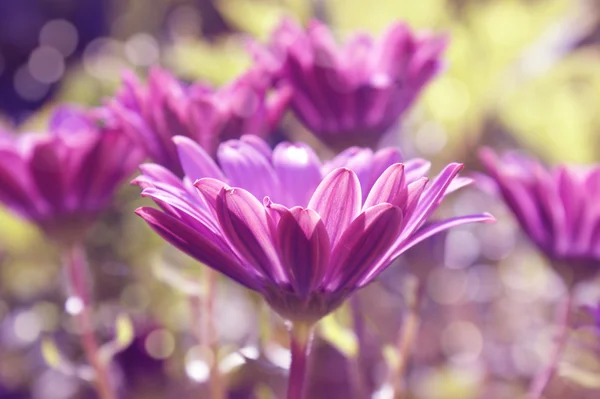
{"points": [[300, 340], [407, 336], [541, 380], [217, 388], [356, 367], [75, 269], [205, 330]]}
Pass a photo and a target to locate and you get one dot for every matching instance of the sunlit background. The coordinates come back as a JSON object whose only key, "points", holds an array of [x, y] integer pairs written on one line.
{"points": [[519, 74]]}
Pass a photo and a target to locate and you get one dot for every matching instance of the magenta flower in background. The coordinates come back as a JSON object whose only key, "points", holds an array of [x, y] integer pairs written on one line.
{"points": [[303, 240], [559, 209], [354, 93], [164, 107], [594, 313], [61, 180]]}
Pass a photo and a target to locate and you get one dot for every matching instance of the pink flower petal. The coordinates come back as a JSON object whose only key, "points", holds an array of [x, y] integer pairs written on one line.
{"points": [[248, 168], [298, 169], [196, 163], [435, 228], [209, 189], [390, 188], [414, 192], [244, 222], [303, 248], [338, 201], [518, 196], [185, 210], [15, 183], [431, 199], [46, 168], [159, 173], [258, 144], [202, 245], [416, 168], [277, 104], [365, 241], [383, 159]]}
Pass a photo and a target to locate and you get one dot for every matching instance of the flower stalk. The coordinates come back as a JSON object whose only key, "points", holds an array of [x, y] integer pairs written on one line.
{"points": [[202, 308], [217, 389], [357, 369], [75, 268], [407, 335], [301, 336], [541, 380]]}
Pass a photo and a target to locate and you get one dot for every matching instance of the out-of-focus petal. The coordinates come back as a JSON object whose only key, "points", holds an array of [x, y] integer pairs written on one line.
{"points": [[47, 171], [196, 163], [352, 93]]}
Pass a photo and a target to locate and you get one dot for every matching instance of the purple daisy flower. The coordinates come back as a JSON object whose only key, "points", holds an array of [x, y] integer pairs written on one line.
{"points": [[63, 179], [164, 108], [558, 209], [303, 234], [354, 93]]}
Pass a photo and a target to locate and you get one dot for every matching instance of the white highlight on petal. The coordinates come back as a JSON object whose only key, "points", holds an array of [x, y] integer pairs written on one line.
{"points": [[298, 154]]}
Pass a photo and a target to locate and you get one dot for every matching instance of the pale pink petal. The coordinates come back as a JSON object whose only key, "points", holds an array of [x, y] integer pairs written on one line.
{"points": [[248, 168], [259, 144], [298, 170], [196, 163]]}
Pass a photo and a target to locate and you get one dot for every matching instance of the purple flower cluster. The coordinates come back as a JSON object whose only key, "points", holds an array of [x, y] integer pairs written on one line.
{"points": [[305, 234]]}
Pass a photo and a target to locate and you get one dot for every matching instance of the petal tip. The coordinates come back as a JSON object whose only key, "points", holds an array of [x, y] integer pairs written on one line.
{"points": [[181, 140], [143, 211], [488, 218]]}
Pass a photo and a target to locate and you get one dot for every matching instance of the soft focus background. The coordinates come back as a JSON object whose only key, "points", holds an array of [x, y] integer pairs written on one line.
{"points": [[520, 74]]}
